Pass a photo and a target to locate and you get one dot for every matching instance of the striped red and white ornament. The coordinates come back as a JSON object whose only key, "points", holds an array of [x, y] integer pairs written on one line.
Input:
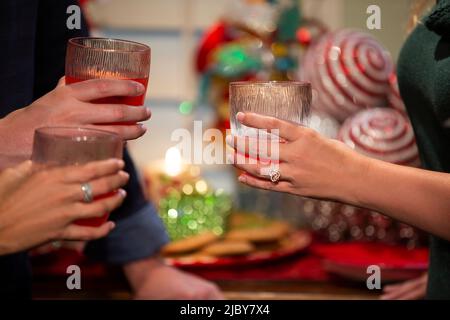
{"points": [[381, 133], [394, 98], [349, 70]]}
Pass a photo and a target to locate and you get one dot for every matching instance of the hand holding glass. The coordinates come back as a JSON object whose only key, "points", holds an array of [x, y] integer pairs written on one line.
{"points": [[63, 146]]}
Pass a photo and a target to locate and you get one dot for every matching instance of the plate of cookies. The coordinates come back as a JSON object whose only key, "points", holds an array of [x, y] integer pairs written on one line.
{"points": [[250, 239]]}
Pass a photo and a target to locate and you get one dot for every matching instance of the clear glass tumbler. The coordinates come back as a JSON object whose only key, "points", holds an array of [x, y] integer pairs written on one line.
{"points": [[64, 146], [104, 58], [286, 100]]}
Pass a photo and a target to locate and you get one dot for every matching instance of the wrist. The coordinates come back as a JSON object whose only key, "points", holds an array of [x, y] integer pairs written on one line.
{"points": [[137, 271], [350, 186]]}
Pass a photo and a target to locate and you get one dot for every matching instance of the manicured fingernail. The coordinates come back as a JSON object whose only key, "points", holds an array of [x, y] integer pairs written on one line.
{"points": [[119, 162], [242, 178], [124, 174], [139, 88], [122, 193], [143, 127], [112, 225], [148, 112], [240, 116]]}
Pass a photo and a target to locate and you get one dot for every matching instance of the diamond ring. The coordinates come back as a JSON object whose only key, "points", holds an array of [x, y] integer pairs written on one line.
{"points": [[274, 175]]}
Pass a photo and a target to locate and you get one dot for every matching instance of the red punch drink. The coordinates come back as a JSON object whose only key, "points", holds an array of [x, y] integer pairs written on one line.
{"points": [[96, 222], [64, 146], [131, 101], [104, 58]]}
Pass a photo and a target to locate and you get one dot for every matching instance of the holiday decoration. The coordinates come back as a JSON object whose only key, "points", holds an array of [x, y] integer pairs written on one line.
{"points": [[324, 124], [383, 134], [255, 40], [194, 208], [349, 70], [394, 98], [187, 204], [380, 133]]}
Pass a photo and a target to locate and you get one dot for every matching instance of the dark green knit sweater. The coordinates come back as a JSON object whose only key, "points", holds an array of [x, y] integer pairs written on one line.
{"points": [[424, 80]]}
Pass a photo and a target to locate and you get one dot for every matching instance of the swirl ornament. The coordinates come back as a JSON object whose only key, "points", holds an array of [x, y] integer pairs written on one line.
{"points": [[349, 70], [381, 133]]}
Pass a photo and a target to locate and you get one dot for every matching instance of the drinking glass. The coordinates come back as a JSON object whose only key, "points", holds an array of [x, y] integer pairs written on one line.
{"points": [[286, 100], [64, 146], [104, 58]]}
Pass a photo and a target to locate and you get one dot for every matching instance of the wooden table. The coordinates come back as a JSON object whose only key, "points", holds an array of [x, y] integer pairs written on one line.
{"points": [[55, 288]]}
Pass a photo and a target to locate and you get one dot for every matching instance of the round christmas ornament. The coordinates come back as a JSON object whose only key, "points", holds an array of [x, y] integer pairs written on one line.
{"points": [[310, 31], [394, 98], [349, 70], [324, 124], [215, 36], [381, 133]]}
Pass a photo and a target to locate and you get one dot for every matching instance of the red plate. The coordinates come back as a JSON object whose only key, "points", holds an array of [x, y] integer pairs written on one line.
{"points": [[350, 260], [297, 242]]}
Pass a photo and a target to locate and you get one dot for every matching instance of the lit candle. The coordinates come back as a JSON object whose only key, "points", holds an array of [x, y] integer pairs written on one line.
{"points": [[173, 164], [186, 204], [170, 172]]}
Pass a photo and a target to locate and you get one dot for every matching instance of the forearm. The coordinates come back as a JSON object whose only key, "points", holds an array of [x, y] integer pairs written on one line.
{"points": [[417, 197], [137, 271]]}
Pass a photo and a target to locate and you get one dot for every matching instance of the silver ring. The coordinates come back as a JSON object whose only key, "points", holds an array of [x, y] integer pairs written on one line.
{"points": [[87, 192], [274, 175]]}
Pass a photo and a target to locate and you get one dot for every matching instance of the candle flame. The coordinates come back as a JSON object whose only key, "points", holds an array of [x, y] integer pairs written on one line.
{"points": [[173, 162]]}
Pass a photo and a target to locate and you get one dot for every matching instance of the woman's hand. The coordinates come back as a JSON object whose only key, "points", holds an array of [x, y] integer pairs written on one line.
{"points": [[313, 166], [310, 165], [70, 105], [39, 207]]}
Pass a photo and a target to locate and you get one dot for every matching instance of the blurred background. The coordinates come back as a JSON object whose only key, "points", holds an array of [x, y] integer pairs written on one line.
{"points": [[173, 29], [198, 47]]}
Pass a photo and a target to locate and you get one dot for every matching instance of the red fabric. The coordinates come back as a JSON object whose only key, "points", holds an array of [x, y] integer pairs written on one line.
{"points": [[359, 254], [303, 267], [307, 266]]}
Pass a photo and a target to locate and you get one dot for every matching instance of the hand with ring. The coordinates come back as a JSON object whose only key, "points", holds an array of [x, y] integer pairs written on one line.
{"points": [[304, 163], [39, 207]]}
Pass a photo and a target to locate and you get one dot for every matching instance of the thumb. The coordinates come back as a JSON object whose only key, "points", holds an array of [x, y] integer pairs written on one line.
{"points": [[61, 82], [23, 170]]}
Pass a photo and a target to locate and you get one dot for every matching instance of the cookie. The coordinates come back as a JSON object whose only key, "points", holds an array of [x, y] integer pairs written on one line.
{"points": [[272, 232], [228, 248], [190, 244]]}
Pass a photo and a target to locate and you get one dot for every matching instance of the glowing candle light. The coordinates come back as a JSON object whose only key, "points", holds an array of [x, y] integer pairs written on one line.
{"points": [[173, 164]]}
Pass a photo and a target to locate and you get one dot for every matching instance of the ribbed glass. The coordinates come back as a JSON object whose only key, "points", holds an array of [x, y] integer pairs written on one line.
{"points": [[62, 146], [93, 58], [286, 100]]}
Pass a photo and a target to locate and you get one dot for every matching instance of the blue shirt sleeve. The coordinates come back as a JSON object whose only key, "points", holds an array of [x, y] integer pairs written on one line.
{"points": [[135, 237]]}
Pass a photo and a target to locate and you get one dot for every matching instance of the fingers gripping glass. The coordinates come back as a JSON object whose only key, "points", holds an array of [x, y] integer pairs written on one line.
{"points": [[64, 146], [104, 58], [285, 100]]}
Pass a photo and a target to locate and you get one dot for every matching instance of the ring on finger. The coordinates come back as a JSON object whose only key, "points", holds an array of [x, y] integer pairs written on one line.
{"points": [[88, 196], [274, 175]]}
